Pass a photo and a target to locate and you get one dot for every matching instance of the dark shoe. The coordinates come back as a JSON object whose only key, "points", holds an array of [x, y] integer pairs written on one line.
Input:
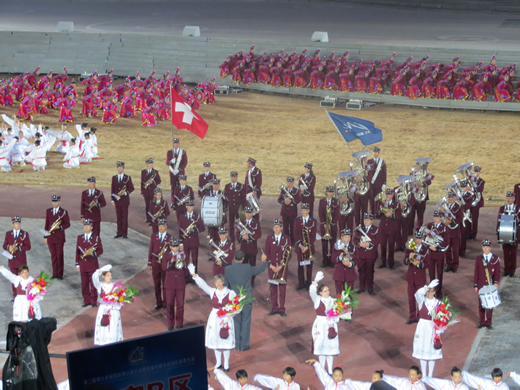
{"points": [[157, 307], [117, 236], [360, 291], [246, 348], [54, 277], [125, 236], [448, 270], [397, 249], [60, 278], [489, 327], [170, 328], [409, 322], [210, 259], [323, 265], [94, 305], [480, 326], [226, 369], [455, 271], [371, 292], [298, 288], [178, 327], [282, 314], [403, 250], [391, 267], [85, 305], [511, 275], [238, 349], [271, 313], [381, 266]]}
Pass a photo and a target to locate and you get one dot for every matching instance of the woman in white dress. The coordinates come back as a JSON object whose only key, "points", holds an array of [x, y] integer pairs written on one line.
{"points": [[325, 339], [21, 305], [411, 382], [220, 332], [455, 383], [424, 333], [109, 328]]}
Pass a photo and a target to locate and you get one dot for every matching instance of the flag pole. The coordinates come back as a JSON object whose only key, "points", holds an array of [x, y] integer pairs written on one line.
{"points": [[338, 130], [171, 111]]}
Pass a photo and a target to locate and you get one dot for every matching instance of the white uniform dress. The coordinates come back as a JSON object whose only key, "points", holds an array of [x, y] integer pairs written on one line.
{"points": [[229, 384], [443, 384], [424, 333], [71, 157], [213, 339], [485, 384], [403, 383], [21, 304], [320, 328], [327, 380], [114, 331], [271, 382]]}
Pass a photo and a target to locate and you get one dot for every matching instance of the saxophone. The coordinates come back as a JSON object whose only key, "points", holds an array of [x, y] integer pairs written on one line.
{"points": [[149, 182]]}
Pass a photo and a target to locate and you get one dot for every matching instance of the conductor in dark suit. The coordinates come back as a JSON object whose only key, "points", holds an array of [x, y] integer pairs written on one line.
{"points": [[239, 274]]}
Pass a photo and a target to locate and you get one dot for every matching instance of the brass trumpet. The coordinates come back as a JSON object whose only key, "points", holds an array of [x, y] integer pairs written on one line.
{"points": [[55, 226], [14, 248], [92, 204], [89, 252], [122, 192], [188, 230], [161, 253], [149, 182]]}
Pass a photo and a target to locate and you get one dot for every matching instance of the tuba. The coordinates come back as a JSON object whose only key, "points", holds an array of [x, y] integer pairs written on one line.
{"points": [[364, 237], [404, 193], [465, 171], [346, 190], [302, 186], [420, 171], [442, 205], [360, 166], [341, 245], [218, 253], [431, 237]]}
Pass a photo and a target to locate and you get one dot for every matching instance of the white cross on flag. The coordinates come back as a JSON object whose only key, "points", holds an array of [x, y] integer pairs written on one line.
{"points": [[185, 117]]}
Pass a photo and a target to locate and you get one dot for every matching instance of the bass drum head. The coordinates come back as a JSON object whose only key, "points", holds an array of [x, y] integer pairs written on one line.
{"points": [[507, 228]]}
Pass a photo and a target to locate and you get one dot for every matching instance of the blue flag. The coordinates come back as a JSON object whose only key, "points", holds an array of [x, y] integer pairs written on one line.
{"points": [[352, 128]]}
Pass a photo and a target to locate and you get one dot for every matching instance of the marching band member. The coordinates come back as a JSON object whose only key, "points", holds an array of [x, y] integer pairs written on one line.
{"points": [[235, 195], [328, 212], [344, 272], [229, 384], [278, 253], [405, 221], [216, 192], [205, 179], [182, 195], [177, 161], [307, 195], [366, 253], [446, 384], [390, 213], [23, 309], [248, 240], [122, 187], [17, 243], [423, 348], [376, 176], [305, 230], [287, 381], [220, 331], [253, 181], [484, 383], [92, 200], [228, 247], [417, 261], [88, 249], [475, 210], [419, 205], [332, 381], [113, 331], [158, 209], [487, 272], [453, 228], [437, 253], [150, 179], [56, 222], [174, 267], [411, 382], [190, 225], [509, 249], [289, 199], [467, 199], [159, 245]]}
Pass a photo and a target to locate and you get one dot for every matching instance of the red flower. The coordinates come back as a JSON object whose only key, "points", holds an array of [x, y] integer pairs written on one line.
{"points": [[43, 283], [339, 296]]}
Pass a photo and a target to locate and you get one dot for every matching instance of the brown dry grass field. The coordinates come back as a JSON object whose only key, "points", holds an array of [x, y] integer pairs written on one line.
{"points": [[282, 133]]}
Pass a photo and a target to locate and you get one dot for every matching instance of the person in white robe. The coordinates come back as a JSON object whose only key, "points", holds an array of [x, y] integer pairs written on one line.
{"points": [[93, 138], [21, 304], [85, 147], [5, 154], [111, 331], [18, 151], [455, 383], [216, 326], [423, 348], [477, 382], [72, 157], [63, 137], [324, 331], [285, 383], [229, 384], [330, 382], [411, 382]]}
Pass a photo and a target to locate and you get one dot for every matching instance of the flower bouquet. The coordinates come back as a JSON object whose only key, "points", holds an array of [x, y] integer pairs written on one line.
{"points": [[445, 315], [37, 291], [342, 306], [236, 304], [120, 295]]}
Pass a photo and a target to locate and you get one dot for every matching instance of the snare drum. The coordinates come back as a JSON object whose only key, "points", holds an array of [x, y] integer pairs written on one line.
{"points": [[212, 211], [507, 229], [489, 297]]}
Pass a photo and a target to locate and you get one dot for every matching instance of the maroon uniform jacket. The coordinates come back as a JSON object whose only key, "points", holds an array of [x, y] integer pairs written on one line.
{"points": [[156, 207], [376, 182], [250, 246], [274, 254], [493, 266], [371, 251], [171, 160], [95, 214], [89, 263], [236, 197], [308, 194], [480, 189], [148, 192], [118, 186], [311, 225], [203, 180], [342, 273], [175, 278], [24, 245], [417, 275], [389, 225], [442, 231], [229, 248], [454, 232], [156, 246], [322, 213], [58, 235], [516, 190], [179, 193], [255, 183], [291, 209], [192, 240], [427, 182], [468, 199]]}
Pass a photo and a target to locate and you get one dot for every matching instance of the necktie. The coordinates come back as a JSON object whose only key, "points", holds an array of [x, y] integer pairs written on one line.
{"points": [[277, 241], [162, 237], [119, 178], [54, 211], [15, 235]]}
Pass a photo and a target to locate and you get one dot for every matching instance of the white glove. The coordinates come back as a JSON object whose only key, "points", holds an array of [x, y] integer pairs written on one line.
{"points": [[175, 171], [191, 268], [319, 276], [106, 268], [434, 283]]}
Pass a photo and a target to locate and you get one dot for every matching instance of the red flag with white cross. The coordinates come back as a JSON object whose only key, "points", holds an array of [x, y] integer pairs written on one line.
{"points": [[185, 117]]}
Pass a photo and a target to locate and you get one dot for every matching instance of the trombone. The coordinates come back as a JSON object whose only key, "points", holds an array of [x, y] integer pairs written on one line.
{"points": [[277, 277], [328, 219]]}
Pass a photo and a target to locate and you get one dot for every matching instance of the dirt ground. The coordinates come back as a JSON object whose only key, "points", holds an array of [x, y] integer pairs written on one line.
{"points": [[282, 133]]}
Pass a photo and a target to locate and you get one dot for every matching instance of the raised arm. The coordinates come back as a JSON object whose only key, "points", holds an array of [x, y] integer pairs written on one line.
{"points": [[8, 274], [203, 285], [97, 274], [323, 375], [225, 381], [436, 383], [268, 381], [515, 377], [356, 385], [393, 380], [475, 381]]}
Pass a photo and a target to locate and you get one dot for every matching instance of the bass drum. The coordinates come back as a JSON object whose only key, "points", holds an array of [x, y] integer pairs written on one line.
{"points": [[507, 225], [212, 211]]}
